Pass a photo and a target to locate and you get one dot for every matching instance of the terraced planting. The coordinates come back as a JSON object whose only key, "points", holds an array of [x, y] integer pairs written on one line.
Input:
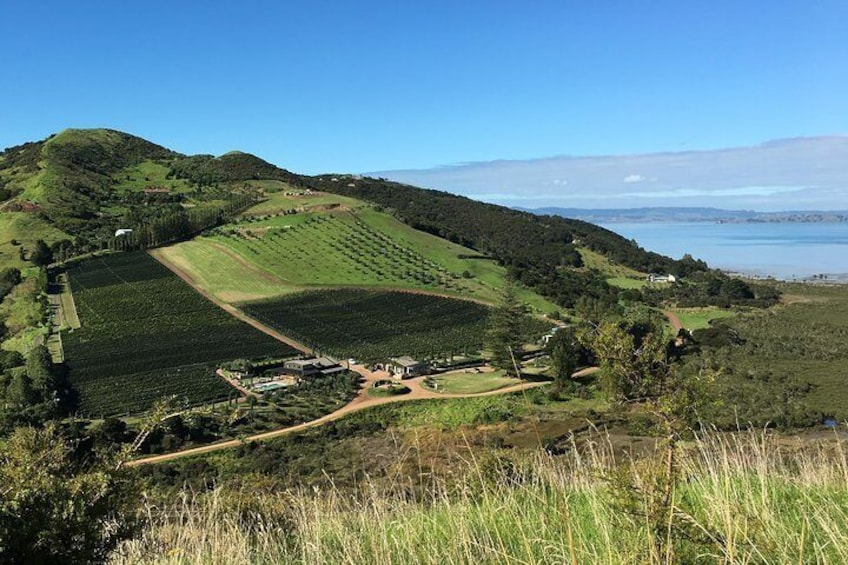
{"points": [[375, 325], [327, 249], [335, 244], [146, 334]]}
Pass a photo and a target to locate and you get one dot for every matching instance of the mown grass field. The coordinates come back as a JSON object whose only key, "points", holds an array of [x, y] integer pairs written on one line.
{"points": [[616, 275], [146, 334], [697, 318], [471, 382], [340, 242], [375, 325]]}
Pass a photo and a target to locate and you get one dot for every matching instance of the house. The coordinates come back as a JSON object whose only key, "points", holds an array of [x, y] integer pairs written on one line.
{"points": [[406, 367], [329, 366], [122, 231], [312, 367], [662, 278], [550, 335]]}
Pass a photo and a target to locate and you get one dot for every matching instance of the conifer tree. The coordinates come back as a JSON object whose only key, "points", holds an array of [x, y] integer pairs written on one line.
{"points": [[504, 337]]}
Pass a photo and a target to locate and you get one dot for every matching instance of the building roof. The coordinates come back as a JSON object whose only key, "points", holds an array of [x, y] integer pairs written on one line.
{"points": [[301, 362], [405, 361], [326, 362]]}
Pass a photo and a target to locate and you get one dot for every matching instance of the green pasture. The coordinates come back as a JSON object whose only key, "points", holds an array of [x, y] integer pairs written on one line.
{"points": [[471, 382], [698, 318]]}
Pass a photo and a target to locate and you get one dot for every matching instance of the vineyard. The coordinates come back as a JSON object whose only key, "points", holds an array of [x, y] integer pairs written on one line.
{"points": [[146, 334], [329, 249], [334, 244], [375, 325]]}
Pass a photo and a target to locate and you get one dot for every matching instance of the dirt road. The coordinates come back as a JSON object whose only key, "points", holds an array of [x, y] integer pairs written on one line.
{"points": [[673, 320], [229, 308], [361, 402]]}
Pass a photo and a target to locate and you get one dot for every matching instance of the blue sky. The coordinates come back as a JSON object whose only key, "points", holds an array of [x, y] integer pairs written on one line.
{"points": [[324, 86]]}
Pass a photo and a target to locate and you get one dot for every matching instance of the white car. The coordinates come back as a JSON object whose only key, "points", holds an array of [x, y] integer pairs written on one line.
{"points": [[351, 361]]}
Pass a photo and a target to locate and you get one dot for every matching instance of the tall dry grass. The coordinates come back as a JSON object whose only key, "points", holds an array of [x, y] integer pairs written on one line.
{"points": [[742, 498]]}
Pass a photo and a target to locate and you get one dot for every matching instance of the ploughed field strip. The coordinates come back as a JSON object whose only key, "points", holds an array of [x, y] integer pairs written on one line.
{"points": [[374, 325], [146, 334]]}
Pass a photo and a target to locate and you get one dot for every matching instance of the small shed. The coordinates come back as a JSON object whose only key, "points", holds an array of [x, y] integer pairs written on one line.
{"points": [[122, 231]]}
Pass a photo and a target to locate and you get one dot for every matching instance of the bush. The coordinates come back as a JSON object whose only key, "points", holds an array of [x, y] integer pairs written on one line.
{"points": [[52, 510]]}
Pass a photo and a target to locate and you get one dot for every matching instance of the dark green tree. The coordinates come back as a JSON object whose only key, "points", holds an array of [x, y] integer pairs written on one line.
{"points": [[41, 255], [20, 393], [52, 510], [505, 336], [39, 368], [564, 352]]}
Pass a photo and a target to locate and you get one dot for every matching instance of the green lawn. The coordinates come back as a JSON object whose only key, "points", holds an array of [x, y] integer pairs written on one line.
{"points": [[626, 282], [451, 413], [698, 318], [596, 261], [471, 382]]}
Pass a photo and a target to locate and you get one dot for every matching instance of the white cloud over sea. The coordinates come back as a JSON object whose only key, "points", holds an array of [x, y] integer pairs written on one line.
{"points": [[791, 174]]}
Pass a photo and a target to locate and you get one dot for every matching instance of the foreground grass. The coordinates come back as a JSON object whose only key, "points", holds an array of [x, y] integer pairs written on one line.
{"points": [[744, 500]]}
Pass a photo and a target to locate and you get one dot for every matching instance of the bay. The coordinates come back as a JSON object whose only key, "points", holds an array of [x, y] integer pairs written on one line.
{"points": [[787, 251]]}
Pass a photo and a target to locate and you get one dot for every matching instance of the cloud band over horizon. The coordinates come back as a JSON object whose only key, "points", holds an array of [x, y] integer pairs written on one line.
{"points": [[791, 174]]}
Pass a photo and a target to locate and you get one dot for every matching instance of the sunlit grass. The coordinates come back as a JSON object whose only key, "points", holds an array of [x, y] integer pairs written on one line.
{"points": [[746, 499]]}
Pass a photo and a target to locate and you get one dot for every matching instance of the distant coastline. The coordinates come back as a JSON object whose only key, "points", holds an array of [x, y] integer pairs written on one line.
{"points": [[789, 251], [692, 215]]}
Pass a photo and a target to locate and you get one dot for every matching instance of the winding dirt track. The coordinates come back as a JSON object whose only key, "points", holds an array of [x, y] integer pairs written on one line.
{"points": [[673, 320], [229, 308], [360, 402]]}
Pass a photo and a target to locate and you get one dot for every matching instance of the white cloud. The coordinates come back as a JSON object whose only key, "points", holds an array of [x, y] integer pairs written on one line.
{"points": [[735, 191], [806, 173]]}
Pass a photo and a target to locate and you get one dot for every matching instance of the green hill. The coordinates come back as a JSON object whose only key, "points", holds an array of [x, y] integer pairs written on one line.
{"points": [[85, 184], [78, 187], [323, 240]]}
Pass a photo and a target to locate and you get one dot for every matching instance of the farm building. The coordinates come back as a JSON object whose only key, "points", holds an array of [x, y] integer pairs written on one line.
{"points": [[406, 367], [122, 231], [662, 278], [312, 367]]}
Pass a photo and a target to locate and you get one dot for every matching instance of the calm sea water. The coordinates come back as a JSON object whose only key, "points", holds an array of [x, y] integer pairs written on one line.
{"points": [[785, 251]]}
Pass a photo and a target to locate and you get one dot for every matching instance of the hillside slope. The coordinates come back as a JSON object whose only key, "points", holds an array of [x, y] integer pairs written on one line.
{"points": [[320, 240], [540, 251], [82, 185]]}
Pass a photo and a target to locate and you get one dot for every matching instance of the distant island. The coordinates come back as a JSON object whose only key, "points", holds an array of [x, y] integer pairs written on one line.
{"points": [[672, 214]]}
